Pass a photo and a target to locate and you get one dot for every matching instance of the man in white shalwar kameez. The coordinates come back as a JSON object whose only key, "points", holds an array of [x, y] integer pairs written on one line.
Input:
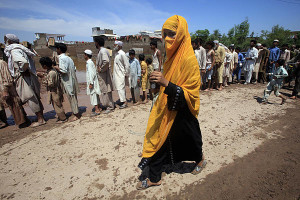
{"points": [[251, 56], [68, 77], [121, 69], [234, 61], [104, 75], [259, 47], [93, 88], [227, 66], [23, 71]]}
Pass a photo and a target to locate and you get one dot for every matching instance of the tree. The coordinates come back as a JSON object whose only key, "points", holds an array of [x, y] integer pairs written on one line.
{"points": [[279, 33], [215, 36], [241, 32], [202, 34]]}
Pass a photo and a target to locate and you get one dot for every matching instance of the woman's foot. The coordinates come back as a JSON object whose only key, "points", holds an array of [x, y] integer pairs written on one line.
{"points": [[206, 90], [199, 167], [140, 154], [293, 97], [146, 184]]}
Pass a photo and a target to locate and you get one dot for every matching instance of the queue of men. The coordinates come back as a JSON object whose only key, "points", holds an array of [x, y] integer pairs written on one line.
{"points": [[19, 82], [219, 67]]}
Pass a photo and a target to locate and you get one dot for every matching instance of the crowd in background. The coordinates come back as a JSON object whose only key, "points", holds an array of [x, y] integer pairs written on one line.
{"points": [[219, 66]]}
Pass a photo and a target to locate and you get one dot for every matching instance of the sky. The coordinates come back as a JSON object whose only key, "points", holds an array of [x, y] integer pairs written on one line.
{"points": [[76, 18]]}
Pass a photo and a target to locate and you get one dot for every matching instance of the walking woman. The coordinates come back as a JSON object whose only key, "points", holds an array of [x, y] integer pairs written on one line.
{"points": [[173, 133]]}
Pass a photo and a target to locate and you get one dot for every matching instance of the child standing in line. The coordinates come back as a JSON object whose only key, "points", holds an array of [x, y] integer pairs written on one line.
{"points": [[93, 88], [149, 71], [54, 89], [276, 83], [210, 63], [144, 68], [134, 77]]}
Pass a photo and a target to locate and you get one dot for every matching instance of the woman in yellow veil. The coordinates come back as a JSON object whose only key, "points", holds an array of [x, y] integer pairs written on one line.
{"points": [[173, 132]]}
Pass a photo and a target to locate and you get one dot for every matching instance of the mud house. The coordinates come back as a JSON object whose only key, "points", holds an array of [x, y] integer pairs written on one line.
{"points": [[139, 42]]}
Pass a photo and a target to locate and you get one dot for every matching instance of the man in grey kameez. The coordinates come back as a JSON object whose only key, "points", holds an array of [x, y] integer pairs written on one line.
{"points": [[104, 75], [23, 71], [68, 77]]}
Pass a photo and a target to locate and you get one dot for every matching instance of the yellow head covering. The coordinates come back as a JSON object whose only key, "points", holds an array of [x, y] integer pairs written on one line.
{"points": [[181, 68]]}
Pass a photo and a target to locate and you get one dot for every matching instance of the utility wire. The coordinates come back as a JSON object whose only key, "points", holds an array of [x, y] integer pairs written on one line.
{"points": [[290, 2]]}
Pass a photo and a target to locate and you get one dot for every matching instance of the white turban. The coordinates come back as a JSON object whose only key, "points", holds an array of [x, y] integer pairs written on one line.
{"points": [[216, 41], [276, 40], [88, 52], [119, 43], [258, 44], [13, 38]]}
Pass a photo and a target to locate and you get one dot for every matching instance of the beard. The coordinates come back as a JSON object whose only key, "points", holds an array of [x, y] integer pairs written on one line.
{"points": [[116, 48]]}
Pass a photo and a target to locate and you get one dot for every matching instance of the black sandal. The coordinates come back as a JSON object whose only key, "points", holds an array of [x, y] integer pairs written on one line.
{"points": [[144, 185], [199, 168]]}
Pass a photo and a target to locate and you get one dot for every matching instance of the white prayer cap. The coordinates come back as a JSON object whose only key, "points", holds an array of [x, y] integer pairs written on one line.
{"points": [[119, 43], [12, 38], [88, 52], [216, 41], [276, 40], [258, 44], [232, 45]]}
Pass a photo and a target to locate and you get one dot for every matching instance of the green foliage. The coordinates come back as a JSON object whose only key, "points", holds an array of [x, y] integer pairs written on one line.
{"points": [[278, 32], [239, 35], [202, 34]]}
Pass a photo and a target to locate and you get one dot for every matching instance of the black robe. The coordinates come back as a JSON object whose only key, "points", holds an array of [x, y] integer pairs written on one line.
{"points": [[184, 141]]}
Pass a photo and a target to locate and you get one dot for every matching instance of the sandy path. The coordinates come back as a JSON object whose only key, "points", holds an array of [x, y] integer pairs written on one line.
{"points": [[94, 158]]}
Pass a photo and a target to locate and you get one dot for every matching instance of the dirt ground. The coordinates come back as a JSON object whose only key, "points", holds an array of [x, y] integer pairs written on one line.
{"points": [[252, 150]]}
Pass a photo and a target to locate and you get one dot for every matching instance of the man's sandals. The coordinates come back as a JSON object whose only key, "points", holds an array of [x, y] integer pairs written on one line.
{"points": [[199, 167], [146, 184]]}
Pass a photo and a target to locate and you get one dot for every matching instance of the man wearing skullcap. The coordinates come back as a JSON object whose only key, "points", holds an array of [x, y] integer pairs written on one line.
{"points": [[251, 57], [257, 64], [93, 88], [121, 69], [274, 56], [265, 53], [23, 71]]}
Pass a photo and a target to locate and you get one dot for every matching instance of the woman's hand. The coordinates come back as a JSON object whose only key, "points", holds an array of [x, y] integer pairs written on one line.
{"points": [[157, 77]]}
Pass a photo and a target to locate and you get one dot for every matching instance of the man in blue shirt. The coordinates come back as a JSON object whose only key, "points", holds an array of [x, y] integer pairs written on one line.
{"points": [[274, 56], [237, 71]]}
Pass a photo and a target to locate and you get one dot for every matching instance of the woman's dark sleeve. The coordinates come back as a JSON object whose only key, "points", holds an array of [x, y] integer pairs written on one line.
{"points": [[176, 100]]}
